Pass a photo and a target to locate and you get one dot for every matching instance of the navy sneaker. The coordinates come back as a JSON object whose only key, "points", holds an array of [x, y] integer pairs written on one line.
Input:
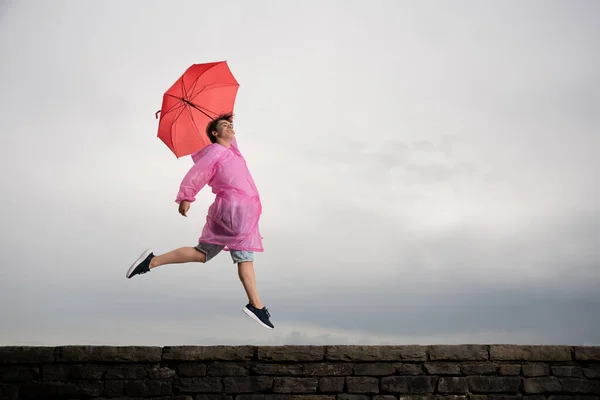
{"points": [[259, 315], [141, 265]]}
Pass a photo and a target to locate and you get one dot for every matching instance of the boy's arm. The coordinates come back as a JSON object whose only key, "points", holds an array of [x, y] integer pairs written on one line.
{"points": [[198, 176]]}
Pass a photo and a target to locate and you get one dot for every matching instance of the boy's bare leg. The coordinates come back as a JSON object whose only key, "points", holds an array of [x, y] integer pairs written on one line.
{"points": [[255, 309], [178, 256], [148, 260], [248, 278]]}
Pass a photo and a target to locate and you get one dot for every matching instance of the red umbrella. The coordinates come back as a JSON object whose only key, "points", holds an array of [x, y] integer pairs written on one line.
{"points": [[203, 92]]}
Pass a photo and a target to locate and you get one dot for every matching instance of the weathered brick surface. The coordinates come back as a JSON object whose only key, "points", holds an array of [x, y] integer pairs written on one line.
{"points": [[376, 353], [208, 353], [530, 353], [458, 352], [536, 370], [26, 355], [291, 353], [444, 372], [78, 354]]}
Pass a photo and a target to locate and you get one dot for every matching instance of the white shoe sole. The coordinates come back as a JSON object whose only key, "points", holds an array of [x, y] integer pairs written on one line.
{"points": [[137, 262], [255, 318]]}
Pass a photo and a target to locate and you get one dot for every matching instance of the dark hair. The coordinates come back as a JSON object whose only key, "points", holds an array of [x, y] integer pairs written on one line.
{"points": [[212, 125]]}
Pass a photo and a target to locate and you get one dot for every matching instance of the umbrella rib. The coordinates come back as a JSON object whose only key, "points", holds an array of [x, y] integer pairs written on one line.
{"points": [[200, 108], [194, 125], [216, 86], [174, 142], [198, 78], [185, 92], [174, 108]]}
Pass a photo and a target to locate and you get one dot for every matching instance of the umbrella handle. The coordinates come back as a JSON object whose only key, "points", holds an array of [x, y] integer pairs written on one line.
{"points": [[158, 112]]}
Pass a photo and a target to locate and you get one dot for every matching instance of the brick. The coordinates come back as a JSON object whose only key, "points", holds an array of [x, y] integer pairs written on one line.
{"points": [[408, 369], [81, 354], [208, 353], [575, 385], [227, 369], [362, 384], [56, 372], [464, 352], [161, 373], [510, 369], [510, 397], [277, 369], [61, 389], [589, 353], [417, 397], [144, 388], [533, 370], [199, 385], [213, 397], [493, 384], [442, 368], [347, 396], [184, 397], [247, 384], [569, 397], [374, 369], [26, 355], [323, 369], [477, 396], [593, 371], [409, 384], [484, 368], [452, 385], [567, 371], [376, 353], [331, 384], [310, 397], [192, 369], [250, 397], [452, 397], [541, 385], [383, 397], [88, 371], [127, 372], [18, 373], [114, 388], [291, 353], [530, 353], [295, 385], [9, 392]]}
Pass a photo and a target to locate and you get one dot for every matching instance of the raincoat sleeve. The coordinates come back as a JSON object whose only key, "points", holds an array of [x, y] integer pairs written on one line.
{"points": [[205, 164]]}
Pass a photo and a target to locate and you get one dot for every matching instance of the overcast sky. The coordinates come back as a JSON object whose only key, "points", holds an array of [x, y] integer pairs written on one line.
{"points": [[426, 170]]}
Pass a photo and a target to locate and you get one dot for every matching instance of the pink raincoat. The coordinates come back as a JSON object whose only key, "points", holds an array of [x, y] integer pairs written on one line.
{"points": [[232, 219]]}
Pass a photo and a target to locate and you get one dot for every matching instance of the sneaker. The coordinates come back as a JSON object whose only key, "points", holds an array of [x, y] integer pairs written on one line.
{"points": [[259, 315], [141, 265]]}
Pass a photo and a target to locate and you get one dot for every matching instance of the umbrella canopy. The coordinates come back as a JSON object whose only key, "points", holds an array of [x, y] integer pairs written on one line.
{"points": [[202, 93]]}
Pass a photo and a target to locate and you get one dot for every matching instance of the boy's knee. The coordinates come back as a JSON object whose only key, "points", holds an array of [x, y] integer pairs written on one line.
{"points": [[242, 256], [201, 257]]}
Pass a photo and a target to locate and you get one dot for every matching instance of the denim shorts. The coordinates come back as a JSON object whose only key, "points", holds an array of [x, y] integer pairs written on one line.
{"points": [[211, 250]]}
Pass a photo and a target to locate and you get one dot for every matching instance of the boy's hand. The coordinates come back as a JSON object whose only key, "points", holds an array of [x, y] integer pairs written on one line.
{"points": [[184, 207]]}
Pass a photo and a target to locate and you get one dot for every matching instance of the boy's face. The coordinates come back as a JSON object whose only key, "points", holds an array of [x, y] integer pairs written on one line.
{"points": [[225, 130]]}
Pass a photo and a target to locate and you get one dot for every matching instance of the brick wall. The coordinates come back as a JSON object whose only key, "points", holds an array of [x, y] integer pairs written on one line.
{"points": [[465, 372]]}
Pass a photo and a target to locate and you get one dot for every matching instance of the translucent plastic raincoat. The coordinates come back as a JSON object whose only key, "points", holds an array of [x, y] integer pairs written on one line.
{"points": [[232, 219]]}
